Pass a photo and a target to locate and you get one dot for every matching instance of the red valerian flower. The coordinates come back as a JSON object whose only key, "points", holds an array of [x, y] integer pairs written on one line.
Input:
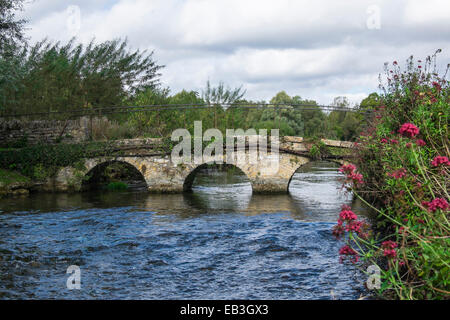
{"points": [[350, 171], [398, 174], [356, 177], [420, 143], [347, 251], [338, 230], [408, 145], [437, 86], [438, 203], [384, 140], [393, 141], [389, 244], [390, 253], [389, 249], [408, 130], [440, 160], [346, 215], [347, 168]]}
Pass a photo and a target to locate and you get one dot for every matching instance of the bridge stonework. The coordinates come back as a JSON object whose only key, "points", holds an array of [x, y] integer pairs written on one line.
{"points": [[162, 175]]}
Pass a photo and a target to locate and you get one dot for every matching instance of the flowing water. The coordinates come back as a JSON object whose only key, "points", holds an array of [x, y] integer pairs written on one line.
{"points": [[218, 242]]}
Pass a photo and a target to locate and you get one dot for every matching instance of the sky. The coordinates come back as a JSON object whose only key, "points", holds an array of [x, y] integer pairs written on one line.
{"points": [[317, 49]]}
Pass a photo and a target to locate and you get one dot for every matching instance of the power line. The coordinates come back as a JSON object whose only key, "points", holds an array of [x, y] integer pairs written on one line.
{"points": [[186, 107]]}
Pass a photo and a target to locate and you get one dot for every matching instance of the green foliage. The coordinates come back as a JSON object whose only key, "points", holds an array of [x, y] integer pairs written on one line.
{"points": [[56, 77], [401, 179], [7, 177], [11, 29], [318, 150], [221, 95], [41, 161]]}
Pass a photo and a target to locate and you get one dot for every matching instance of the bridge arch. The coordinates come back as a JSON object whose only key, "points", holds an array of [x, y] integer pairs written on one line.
{"points": [[189, 179], [95, 167], [335, 161]]}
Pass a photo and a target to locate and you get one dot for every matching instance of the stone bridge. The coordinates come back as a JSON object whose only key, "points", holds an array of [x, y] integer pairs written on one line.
{"points": [[162, 175]]}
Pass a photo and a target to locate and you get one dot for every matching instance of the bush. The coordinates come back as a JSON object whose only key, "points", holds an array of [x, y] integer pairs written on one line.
{"points": [[41, 161], [403, 173]]}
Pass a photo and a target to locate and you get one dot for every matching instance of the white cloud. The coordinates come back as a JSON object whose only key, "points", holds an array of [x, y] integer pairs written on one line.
{"points": [[317, 49]]}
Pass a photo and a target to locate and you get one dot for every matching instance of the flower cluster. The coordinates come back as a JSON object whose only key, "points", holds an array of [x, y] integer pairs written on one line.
{"points": [[352, 175], [346, 251], [389, 249], [408, 130], [346, 214], [437, 161], [347, 168], [420, 143], [398, 174], [438, 203], [348, 222]]}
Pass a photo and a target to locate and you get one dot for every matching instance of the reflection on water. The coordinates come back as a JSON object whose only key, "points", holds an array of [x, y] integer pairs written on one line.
{"points": [[218, 242]]}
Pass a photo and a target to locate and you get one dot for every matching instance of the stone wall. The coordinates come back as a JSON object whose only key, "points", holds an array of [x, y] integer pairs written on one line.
{"points": [[13, 132]]}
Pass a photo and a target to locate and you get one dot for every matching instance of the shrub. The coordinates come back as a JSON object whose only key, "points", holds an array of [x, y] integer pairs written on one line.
{"points": [[402, 163]]}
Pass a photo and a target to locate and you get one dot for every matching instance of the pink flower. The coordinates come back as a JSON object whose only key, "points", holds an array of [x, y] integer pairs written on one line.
{"points": [[384, 140], [349, 168], [389, 244], [440, 160], [437, 86], [393, 141], [347, 251], [356, 177], [347, 215], [390, 253], [398, 174], [438, 203], [338, 230], [408, 130], [389, 249], [408, 145], [420, 143]]}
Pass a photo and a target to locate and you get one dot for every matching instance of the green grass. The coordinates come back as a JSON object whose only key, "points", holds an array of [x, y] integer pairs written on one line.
{"points": [[117, 186], [8, 177]]}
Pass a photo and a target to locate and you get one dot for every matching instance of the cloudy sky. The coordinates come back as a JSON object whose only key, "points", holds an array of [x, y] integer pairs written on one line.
{"points": [[317, 49]]}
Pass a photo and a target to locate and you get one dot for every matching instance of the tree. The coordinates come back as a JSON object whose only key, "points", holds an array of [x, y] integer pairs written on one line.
{"points": [[11, 29], [370, 102], [60, 77], [220, 95], [344, 125]]}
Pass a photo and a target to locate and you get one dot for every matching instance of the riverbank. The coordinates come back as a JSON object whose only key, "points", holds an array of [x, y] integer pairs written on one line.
{"points": [[13, 184]]}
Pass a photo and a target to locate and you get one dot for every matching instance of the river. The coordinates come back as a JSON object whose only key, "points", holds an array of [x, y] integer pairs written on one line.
{"points": [[218, 242]]}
